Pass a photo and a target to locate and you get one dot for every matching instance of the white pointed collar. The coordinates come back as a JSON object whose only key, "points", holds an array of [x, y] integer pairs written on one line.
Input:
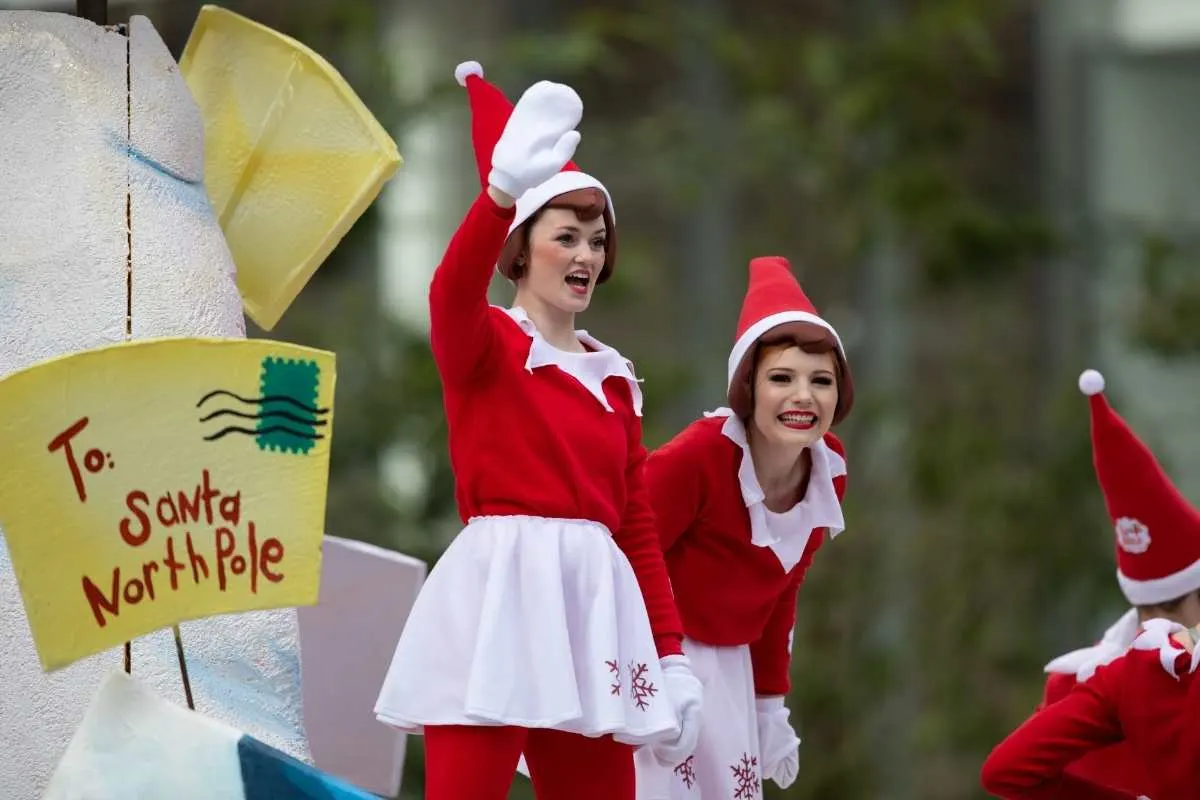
{"points": [[1084, 662], [1156, 635], [821, 504], [590, 369]]}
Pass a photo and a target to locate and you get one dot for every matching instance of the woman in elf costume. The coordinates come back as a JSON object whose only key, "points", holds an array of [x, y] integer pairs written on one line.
{"points": [[1156, 533], [548, 625], [1147, 699], [744, 499]]}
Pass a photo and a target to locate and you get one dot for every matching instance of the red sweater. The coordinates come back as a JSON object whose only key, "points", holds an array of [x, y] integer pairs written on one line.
{"points": [[1132, 698], [1116, 766], [729, 591], [536, 443]]}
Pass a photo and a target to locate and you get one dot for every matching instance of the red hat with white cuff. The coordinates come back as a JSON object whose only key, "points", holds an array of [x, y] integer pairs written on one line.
{"points": [[490, 111], [774, 299], [1157, 530]]}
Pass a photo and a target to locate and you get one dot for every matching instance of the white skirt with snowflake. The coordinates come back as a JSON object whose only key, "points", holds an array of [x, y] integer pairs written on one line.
{"points": [[725, 763], [532, 622]]}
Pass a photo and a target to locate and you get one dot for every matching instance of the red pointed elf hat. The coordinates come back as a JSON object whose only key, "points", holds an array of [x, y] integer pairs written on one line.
{"points": [[775, 305], [1157, 530], [490, 111]]}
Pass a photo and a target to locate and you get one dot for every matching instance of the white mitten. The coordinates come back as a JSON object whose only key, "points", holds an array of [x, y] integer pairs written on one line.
{"points": [[539, 139], [687, 698], [778, 745]]}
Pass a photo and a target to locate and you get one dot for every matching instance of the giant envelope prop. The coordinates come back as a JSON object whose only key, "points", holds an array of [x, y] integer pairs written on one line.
{"points": [[162, 480], [293, 157]]}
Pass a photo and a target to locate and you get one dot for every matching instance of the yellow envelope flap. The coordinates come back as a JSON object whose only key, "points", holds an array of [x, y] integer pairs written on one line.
{"points": [[292, 156]]}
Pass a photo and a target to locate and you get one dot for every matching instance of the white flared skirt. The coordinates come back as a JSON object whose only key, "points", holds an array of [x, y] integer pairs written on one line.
{"points": [[531, 622], [725, 763]]}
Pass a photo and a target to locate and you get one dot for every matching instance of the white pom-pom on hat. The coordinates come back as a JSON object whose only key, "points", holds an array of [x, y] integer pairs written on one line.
{"points": [[1091, 382], [465, 70]]}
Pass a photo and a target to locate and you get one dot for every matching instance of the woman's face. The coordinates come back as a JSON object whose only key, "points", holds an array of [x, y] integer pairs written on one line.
{"points": [[795, 395], [566, 256]]}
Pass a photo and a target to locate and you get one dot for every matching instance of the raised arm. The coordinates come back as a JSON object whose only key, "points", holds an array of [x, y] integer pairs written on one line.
{"points": [[538, 141], [461, 333]]}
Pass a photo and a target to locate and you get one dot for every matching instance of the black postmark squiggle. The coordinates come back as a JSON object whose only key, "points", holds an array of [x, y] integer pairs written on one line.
{"points": [[297, 419], [281, 398], [265, 415], [285, 414]]}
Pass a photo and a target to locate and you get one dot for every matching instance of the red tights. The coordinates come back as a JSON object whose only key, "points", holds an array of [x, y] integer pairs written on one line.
{"points": [[480, 762]]}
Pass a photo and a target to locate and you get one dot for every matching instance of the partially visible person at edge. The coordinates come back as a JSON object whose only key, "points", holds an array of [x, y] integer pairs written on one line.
{"points": [[1157, 535], [548, 624], [1147, 698], [744, 498]]}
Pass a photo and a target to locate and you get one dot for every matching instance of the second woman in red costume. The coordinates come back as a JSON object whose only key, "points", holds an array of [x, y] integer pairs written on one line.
{"points": [[744, 497], [548, 624]]}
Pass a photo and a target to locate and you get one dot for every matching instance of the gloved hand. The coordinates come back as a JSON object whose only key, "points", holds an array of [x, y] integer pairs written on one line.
{"points": [[538, 140], [778, 745], [687, 698]]}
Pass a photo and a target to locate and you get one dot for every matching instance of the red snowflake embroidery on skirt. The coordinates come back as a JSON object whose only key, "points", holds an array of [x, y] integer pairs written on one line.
{"points": [[615, 669], [687, 771], [640, 686], [745, 773]]}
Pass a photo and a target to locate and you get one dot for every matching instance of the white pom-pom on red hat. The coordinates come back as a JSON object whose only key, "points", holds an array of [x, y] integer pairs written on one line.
{"points": [[465, 70], [1091, 382]]}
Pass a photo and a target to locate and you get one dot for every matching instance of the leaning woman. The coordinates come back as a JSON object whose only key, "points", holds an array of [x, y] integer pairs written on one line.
{"points": [[745, 497]]}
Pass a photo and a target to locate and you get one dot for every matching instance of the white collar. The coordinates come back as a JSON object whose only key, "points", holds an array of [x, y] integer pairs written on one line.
{"points": [[1117, 640], [823, 509], [590, 369], [1156, 635]]}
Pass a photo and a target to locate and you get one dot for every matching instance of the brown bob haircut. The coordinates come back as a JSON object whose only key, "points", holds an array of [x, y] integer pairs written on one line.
{"points": [[588, 204], [808, 337]]}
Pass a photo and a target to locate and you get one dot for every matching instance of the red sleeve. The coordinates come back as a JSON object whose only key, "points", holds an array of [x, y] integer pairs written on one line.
{"points": [[771, 653], [1031, 763], [638, 539], [1058, 686], [673, 478], [839, 483], [461, 333]]}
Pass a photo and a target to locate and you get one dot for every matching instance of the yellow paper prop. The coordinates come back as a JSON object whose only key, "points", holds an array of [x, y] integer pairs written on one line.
{"points": [[162, 480], [292, 156]]}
